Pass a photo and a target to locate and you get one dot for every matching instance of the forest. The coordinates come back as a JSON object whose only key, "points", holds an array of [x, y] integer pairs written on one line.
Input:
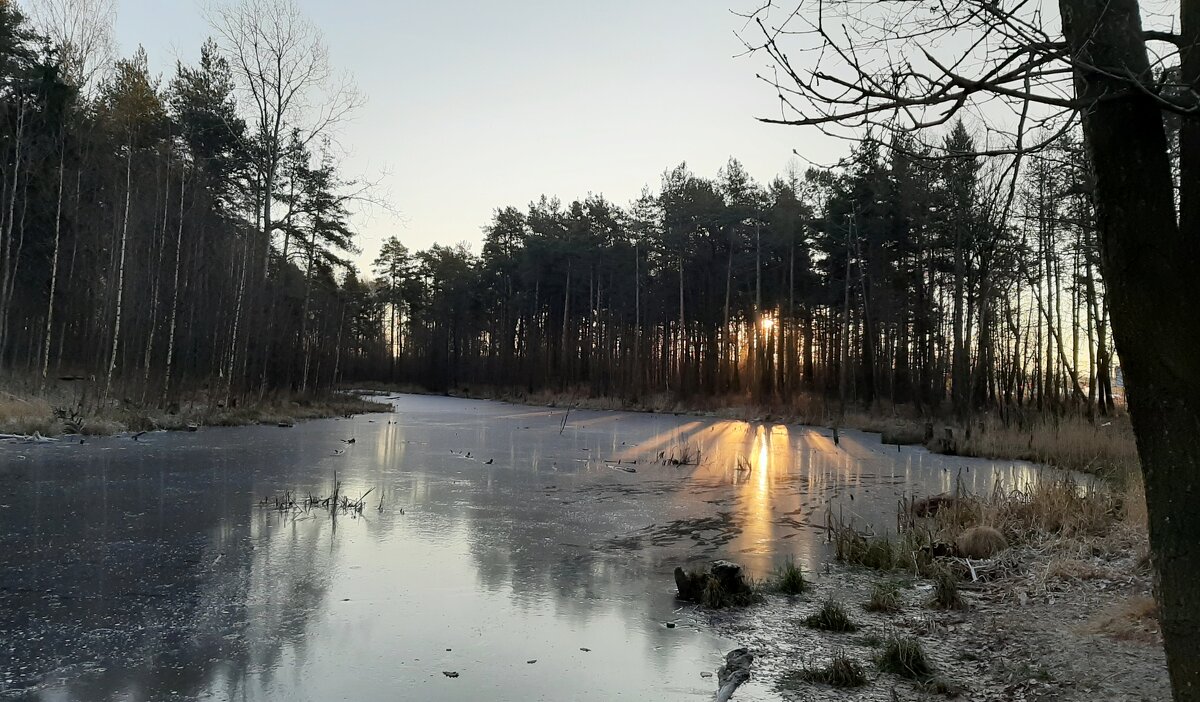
{"points": [[903, 276], [186, 243], [155, 241], [158, 242]]}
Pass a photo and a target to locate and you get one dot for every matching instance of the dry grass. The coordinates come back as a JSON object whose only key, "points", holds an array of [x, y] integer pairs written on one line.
{"points": [[276, 410], [716, 596], [1048, 506], [831, 617], [1133, 620], [29, 425], [841, 671], [1133, 500], [101, 427], [788, 579], [1106, 447], [19, 415], [1052, 507], [909, 551], [945, 591], [903, 435], [904, 656], [885, 598], [681, 454], [1074, 570], [26, 416], [1089, 519]]}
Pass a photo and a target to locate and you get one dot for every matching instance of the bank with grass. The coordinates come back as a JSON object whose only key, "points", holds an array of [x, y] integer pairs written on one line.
{"points": [[77, 414], [908, 616]]}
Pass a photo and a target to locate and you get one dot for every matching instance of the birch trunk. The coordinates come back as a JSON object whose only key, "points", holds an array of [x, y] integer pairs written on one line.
{"points": [[175, 291], [116, 336], [53, 270]]}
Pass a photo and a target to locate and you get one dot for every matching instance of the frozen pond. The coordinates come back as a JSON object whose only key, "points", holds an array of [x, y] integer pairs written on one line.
{"points": [[149, 570]]}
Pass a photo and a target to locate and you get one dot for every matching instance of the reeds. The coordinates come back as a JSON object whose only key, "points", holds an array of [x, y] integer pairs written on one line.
{"points": [[335, 503], [685, 454]]}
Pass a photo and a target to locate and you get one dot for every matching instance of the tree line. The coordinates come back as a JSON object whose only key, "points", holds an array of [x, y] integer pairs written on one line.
{"points": [[194, 233], [907, 274], [172, 235]]}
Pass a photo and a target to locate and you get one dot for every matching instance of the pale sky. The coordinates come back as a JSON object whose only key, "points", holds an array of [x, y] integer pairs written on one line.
{"points": [[474, 105]]}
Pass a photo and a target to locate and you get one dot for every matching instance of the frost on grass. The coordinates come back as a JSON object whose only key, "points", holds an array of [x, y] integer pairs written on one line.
{"points": [[788, 579], [885, 598], [831, 617], [840, 671]]}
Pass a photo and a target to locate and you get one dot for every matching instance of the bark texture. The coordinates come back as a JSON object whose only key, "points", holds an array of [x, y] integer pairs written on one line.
{"points": [[1150, 260]]}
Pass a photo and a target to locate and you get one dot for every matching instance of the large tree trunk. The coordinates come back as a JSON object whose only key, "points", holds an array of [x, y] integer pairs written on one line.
{"points": [[1149, 263]]}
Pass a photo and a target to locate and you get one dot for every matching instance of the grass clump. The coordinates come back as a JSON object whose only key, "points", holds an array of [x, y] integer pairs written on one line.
{"points": [[717, 596], [841, 671], [904, 656], [831, 617], [885, 598], [871, 639], [853, 547], [938, 685], [789, 579], [945, 591], [714, 595], [724, 585]]}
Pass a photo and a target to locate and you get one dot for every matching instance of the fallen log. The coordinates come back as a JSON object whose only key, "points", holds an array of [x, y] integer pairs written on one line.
{"points": [[735, 672], [34, 438]]}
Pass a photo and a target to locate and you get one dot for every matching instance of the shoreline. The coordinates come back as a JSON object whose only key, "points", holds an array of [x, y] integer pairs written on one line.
{"points": [[1038, 633], [1065, 589], [1104, 448], [1059, 607], [29, 418]]}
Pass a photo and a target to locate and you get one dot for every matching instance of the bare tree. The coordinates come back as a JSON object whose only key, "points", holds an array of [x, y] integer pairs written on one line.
{"points": [[282, 66], [82, 33], [54, 267], [902, 66]]}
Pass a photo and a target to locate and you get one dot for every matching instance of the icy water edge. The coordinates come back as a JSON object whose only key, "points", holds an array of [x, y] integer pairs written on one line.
{"points": [[533, 559]]}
